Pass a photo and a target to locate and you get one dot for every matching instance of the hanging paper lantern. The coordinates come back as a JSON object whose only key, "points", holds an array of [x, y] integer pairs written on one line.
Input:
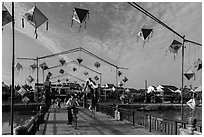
{"points": [[79, 60], [22, 91], [58, 81], [80, 15], [198, 64], [6, 16], [29, 79], [67, 80], [19, 66], [43, 66], [96, 78], [33, 66], [144, 34], [119, 73], [61, 71], [74, 69], [25, 100], [62, 61], [175, 46], [49, 74], [189, 74], [97, 64], [35, 17], [86, 73], [125, 79], [120, 84]]}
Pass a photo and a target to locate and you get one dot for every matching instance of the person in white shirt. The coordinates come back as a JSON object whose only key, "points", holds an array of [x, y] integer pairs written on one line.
{"points": [[72, 103]]}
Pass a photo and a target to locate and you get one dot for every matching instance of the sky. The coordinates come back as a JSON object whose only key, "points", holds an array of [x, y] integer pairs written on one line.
{"points": [[111, 34]]}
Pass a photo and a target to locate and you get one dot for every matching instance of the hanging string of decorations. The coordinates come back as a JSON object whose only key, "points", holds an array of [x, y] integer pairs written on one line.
{"points": [[36, 18]]}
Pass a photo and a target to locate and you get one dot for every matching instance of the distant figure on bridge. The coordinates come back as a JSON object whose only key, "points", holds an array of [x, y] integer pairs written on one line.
{"points": [[58, 100], [91, 94]]}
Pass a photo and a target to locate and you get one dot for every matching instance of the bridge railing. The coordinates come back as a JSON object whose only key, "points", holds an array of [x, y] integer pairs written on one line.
{"points": [[151, 123], [32, 127]]}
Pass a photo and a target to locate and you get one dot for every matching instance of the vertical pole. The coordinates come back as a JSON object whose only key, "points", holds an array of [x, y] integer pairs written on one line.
{"points": [[182, 68], [43, 75], [38, 107], [116, 83], [100, 87], [13, 57], [145, 101]]}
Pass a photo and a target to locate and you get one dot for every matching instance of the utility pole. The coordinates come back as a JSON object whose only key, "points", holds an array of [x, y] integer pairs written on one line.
{"points": [[13, 62]]}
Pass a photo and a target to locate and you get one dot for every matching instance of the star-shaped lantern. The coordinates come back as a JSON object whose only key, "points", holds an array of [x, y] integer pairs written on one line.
{"points": [[36, 18]]}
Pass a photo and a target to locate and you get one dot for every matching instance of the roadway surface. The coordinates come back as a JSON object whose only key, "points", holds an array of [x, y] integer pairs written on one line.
{"points": [[101, 124]]}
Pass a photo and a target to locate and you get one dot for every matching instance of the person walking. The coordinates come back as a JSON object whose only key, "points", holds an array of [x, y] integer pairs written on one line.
{"points": [[72, 103]]}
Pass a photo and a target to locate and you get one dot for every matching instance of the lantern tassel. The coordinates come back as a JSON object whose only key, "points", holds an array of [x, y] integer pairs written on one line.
{"points": [[36, 34], [72, 23], [23, 22], [85, 24], [152, 34], [47, 26], [137, 38], [80, 28]]}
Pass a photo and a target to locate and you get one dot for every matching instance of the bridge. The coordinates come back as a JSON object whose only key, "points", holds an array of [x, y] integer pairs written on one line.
{"points": [[101, 124]]}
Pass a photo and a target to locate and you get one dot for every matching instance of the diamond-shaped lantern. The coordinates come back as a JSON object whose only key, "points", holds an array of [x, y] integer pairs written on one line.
{"points": [[189, 74], [43, 66], [74, 69], [144, 34], [33, 66], [79, 60], [198, 64], [119, 73], [125, 79], [19, 66], [175, 46], [62, 61], [6, 16], [96, 78], [30, 79], [97, 64], [120, 83], [61, 71], [86, 73], [58, 81], [67, 80], [80, 15], [49, 74], [35, 17]]}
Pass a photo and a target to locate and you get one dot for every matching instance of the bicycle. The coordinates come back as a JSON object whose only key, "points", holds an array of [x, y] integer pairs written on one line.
{"points": [[74, 116]]}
